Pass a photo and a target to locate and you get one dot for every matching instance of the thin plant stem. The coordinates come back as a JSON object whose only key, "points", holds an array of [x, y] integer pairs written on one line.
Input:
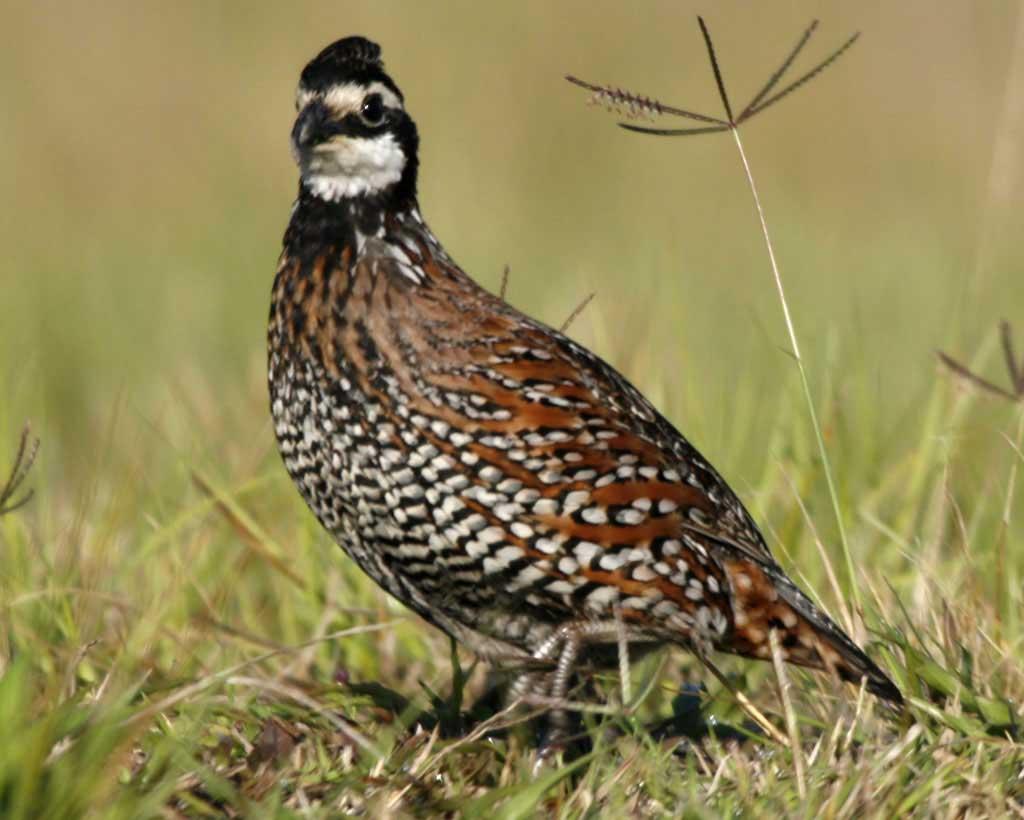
{"points": [[504, 281], [717, 71], [823, 452], [806, 78], [624, 673], [28, 448], [616, 97], [576, 311], [844, 610], [747, 705], [978, 381], [1015, 370], [792, 727], [781, 70], [1003, 593]]}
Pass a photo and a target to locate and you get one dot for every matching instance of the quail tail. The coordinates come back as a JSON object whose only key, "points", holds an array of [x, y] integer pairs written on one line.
{"points": [[764, 599]]}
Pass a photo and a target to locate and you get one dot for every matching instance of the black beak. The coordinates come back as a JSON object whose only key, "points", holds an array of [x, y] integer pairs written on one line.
{"points": [[312, 126]]}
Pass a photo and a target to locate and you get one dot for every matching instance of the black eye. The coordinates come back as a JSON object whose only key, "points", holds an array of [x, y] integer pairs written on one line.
{"points": [[372, 112]]}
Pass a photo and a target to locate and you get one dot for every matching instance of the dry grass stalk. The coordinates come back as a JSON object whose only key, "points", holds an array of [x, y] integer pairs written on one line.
{"points": [[792, 728], [28, 448], [745, 703], [1014, 369]]}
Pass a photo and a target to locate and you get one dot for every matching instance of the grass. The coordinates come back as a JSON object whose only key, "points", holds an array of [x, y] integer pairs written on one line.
{"points": [[175, 665], [178, 638]]}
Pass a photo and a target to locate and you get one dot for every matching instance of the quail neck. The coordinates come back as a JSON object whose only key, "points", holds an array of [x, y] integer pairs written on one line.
{"points": [[496, 477]]}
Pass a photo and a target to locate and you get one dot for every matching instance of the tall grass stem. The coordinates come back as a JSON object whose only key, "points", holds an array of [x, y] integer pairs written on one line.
{"points": [[1006, 581], [833, 494]]}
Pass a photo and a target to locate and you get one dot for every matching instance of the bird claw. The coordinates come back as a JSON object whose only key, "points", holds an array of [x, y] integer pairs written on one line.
{"points": [[552, 749]]}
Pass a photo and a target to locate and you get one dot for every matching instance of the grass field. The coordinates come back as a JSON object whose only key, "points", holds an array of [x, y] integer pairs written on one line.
{"points": [[177, 635]]}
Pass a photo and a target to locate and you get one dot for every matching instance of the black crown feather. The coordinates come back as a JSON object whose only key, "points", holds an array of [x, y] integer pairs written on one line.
{"points": [[351, 59]]}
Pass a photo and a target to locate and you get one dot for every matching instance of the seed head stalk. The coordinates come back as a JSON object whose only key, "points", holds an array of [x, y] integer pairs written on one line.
{"points": [[826, 464]]}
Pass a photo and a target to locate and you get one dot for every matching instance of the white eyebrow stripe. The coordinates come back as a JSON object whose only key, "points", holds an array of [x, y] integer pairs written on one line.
{"points": [[349, 97]]}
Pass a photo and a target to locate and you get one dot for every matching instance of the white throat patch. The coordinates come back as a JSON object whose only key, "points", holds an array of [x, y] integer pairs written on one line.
{"points": [[352, 166]]}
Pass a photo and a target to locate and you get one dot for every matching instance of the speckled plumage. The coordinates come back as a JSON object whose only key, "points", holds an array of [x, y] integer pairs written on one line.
{"points": [[493, 475]]}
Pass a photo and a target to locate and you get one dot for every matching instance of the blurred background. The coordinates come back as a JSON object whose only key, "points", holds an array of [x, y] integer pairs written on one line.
{"points": [[147, 183]]}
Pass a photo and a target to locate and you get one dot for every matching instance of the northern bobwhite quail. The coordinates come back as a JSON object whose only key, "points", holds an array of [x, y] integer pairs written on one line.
{"points": [[491, 474]]}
